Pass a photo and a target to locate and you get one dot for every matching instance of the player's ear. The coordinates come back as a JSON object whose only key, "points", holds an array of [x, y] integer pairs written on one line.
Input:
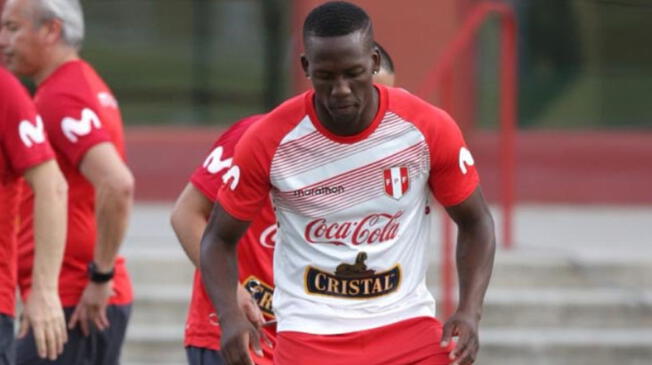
{"points": [[52, 31], [305, 64], [375, 56]]}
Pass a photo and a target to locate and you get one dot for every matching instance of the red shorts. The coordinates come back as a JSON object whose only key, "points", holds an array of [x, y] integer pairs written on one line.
{"points": [[413, 341]]}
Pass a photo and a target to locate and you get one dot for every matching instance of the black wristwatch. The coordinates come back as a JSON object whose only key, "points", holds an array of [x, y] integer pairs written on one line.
{"points": [[99, 277]]}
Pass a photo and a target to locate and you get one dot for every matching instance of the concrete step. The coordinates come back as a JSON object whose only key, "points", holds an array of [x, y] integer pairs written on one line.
{"points": [[580, 307], [519, 268], [162, 305], [563, 346], [154, 344], [499, 346], [569, 308], [530, 267], [159, 267]]}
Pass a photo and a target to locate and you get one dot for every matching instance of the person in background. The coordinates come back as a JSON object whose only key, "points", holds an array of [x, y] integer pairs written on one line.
{"points": [[255, 251], [25, 152], [41, 40], [386, 74]]}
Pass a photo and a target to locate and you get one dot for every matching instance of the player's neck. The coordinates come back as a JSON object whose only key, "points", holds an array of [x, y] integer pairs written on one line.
{"points": [[56, 58], [350, 129]]}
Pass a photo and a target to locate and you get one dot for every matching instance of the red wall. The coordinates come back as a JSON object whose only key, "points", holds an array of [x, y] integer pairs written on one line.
{"points": [[552, 167]]}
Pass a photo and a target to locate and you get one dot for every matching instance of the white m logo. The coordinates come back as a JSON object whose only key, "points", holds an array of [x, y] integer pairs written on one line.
{"points": [[31, 134], [233, 175], [107, 100], [466, 159], [214, 162], [73, 128]]}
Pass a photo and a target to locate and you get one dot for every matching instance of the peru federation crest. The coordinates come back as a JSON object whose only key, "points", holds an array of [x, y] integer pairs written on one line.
{"points": [[397, 181]]}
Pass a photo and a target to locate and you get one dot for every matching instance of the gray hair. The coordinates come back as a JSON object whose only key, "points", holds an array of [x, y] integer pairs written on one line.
{"points": [[69, 12]]}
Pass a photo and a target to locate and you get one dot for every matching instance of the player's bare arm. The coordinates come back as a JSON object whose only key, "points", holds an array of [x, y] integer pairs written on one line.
{"points": [[114, 187], [189, 219], [476, 245], [43, 311], [219, 269]]}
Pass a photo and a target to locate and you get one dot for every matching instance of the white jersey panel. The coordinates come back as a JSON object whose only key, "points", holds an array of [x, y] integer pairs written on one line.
{"points": [[353, 230], [304, 128]]}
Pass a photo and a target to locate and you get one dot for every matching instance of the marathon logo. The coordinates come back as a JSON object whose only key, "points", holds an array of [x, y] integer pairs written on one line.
{"points": [[262, 294], [352, 281], [320, 190]]}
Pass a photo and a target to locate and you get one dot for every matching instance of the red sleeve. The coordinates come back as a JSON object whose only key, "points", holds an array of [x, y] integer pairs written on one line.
{"points": [[207, 177], [73, 126], [23, 134], [453, 176], [246, 184]]}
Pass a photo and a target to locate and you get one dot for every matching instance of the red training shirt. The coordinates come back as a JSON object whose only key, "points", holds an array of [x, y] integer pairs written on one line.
{"points": [[23, 145], [352, 211], [255, 249], [79, 112]]}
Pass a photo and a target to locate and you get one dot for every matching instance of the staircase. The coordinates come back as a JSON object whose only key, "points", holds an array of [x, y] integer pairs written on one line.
{"points": [[550, 302], [545, 308], [162, 278]]}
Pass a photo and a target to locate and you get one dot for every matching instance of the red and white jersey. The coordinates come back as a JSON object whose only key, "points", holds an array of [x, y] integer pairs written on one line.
{"points": [[79, 112], [352, 211], [255, 249], [23, 145]]}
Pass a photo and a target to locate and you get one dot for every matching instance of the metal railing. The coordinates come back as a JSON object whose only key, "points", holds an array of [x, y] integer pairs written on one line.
{"points": [[440, 78]]}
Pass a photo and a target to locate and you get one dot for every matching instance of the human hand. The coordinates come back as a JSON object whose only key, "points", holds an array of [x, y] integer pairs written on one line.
{"points": [[238, 336], [249, 307], [43, 313], [465, 326], [92, 307]]}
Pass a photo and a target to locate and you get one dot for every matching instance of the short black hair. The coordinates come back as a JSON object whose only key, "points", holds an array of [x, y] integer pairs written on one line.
{"points": [[336, 18], [385, 60]]}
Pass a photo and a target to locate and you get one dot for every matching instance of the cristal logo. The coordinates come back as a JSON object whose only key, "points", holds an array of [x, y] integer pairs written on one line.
{"points": [[31, 134], [74, 128], [374, 228]]}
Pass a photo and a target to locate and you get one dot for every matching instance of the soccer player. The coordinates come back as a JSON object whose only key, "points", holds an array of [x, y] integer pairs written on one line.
{"points": [[189, 218], [350, 166], [255, 250], [25, 151], [82, 119]]}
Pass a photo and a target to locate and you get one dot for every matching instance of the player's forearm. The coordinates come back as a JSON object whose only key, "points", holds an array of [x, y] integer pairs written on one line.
{"points": [[189, 227], [219, 269], [218, 263], [112, 208], [189, 219], [475, 256], [50, 223]]}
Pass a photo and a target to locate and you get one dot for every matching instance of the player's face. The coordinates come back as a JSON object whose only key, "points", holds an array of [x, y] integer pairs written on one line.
{"points": [[340, 69], [21, 41]]}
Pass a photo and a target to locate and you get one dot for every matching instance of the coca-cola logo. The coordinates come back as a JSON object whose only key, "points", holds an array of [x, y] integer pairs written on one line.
{"points": [[374, 228], [268, 236]]}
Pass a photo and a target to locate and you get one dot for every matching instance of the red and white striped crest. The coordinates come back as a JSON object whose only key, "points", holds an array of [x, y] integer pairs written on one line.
{"points": [[397, 182]]}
